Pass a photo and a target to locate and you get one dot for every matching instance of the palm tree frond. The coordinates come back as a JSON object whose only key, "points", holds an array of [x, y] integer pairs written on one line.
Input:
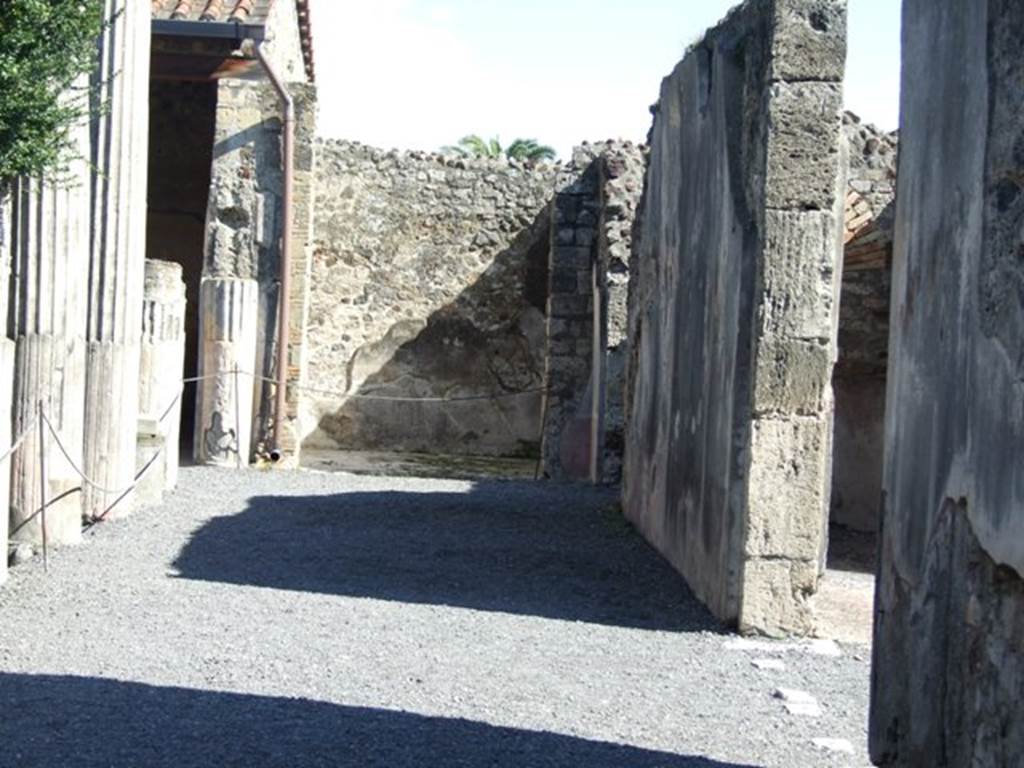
{"points": [[524, 150]]}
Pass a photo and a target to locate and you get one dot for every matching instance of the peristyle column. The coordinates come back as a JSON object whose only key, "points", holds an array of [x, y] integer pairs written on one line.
{"points": [[50, 251], [160, 372], [228, 314], [119, 156]]}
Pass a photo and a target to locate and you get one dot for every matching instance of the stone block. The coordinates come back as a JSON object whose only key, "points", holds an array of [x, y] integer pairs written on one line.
{"points": [[787, 507], [792, 377], [803, 157], [775, 597], [570, 305], [798, 267], [585, 236], [809, 40], [576, 257], [563, 281]]}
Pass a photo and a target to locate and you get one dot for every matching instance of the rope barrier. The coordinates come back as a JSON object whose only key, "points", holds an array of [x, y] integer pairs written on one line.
{"points": [[399, 399], [122, 493], [78, 470], [49, 503], [17, 443]]}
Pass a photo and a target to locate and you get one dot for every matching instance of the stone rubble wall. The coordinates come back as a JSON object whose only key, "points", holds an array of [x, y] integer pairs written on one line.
{"points": [[429, 280], [624, 166], [948, 667], [733, 320], [860, 374], [592, 232]]}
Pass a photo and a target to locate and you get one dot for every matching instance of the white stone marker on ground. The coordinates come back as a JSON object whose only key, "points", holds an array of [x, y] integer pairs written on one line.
{"points": [[798, 702]]}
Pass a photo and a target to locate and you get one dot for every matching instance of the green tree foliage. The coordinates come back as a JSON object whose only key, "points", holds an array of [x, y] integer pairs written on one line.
{"points": [[45, 47], [526, 150], [530, 150]]}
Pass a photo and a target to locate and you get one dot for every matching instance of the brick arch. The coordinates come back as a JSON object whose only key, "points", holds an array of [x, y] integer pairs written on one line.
{"points": [[866, 245]]}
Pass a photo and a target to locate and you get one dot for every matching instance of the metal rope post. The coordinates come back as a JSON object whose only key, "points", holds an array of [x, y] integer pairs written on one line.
{"points": [[238, 422], [42, 485]]}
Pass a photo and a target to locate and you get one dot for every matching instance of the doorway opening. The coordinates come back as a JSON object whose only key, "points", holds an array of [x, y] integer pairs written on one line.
{"points": [[181, 135], [859, 381]]}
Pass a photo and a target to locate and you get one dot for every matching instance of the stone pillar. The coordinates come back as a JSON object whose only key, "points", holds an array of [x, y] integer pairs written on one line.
{"points": [[228, 315], [119, 156], [160, 373], [567, 444], [49, 239], [737, 258], [6, 383], [948, 666], [6, 379]]}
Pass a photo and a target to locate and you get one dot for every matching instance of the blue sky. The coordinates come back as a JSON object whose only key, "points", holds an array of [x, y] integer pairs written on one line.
{"points": [[421, 73]]}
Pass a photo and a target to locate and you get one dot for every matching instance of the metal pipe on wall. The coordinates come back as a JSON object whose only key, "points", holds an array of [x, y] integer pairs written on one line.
{"points": [[284, 298]]}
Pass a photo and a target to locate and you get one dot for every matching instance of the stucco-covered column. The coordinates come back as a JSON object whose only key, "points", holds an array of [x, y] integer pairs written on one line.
{"points": [[50, 251], [6, 384], [6, 378], [119, 155], [228, 315], [160, 372]]}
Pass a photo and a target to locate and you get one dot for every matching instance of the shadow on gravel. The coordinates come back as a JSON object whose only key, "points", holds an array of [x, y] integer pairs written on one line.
{"points": [[514, 547], [88, 722]]}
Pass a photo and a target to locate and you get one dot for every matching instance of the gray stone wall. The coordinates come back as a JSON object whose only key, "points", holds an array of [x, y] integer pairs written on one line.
{"points": [[948, 672], [624, 166], [860, 373], [429, 280], [591, 239], [733, 317]]}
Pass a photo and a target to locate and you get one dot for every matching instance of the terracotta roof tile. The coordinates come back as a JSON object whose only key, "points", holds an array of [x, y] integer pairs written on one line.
{"points": [[241, 11], [245, 11]]}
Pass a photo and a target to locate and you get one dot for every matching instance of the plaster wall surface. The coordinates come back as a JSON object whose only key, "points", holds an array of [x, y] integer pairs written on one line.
{"points": [[733, 317], [948, 672], [429, 280], [284, 47]]}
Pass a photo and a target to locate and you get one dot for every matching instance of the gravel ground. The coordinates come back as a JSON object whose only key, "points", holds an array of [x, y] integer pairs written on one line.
{"points": [[309, 619]]}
